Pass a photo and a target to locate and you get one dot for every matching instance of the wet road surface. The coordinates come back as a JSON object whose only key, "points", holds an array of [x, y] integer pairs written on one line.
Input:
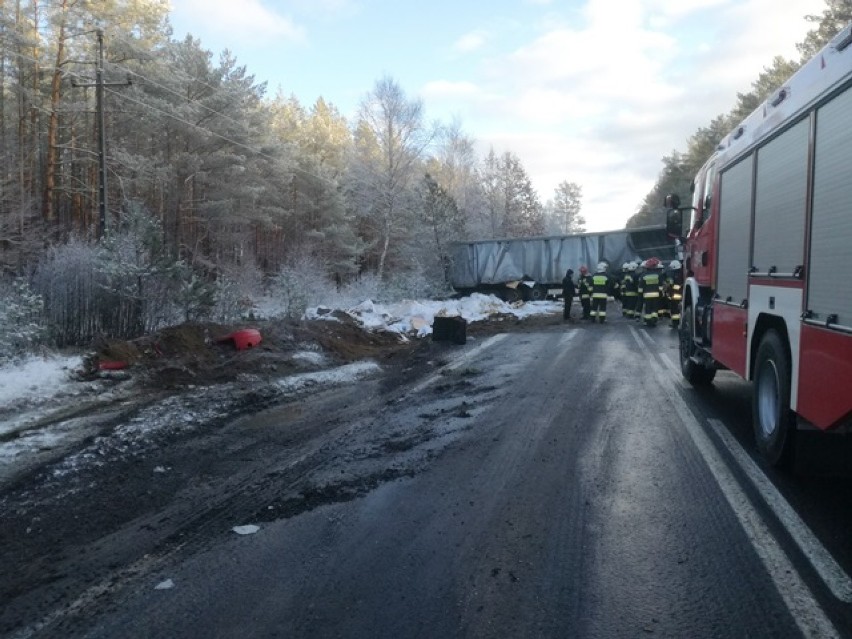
{"points": [[559, 483]]}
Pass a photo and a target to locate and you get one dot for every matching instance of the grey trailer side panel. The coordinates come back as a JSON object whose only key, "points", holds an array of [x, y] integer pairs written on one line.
{"points": [[831, 231], [544, 260], [463, 271]]}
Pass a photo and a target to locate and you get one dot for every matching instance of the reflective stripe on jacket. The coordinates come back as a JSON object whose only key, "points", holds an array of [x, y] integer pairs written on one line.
{"points": [[600, 284], [649, 285]]}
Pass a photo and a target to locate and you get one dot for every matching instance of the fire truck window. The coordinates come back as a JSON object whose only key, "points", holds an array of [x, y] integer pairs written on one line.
{"points": [[708, 193], [695, 222]]}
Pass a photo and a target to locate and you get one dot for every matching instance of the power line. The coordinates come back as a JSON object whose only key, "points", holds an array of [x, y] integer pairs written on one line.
{"points": [[295, 169], [247, 147], [192, 78], [196, 126], [180, 95], [207, 108]]}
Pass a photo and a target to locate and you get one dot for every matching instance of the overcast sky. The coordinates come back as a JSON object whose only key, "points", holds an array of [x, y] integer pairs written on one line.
{"points": [[594, 92]]}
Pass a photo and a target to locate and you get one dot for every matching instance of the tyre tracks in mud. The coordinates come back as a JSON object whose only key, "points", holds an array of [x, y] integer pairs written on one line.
{"points": [[268, 458]]}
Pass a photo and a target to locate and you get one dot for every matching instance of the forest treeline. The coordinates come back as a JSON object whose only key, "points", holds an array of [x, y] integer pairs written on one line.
{"points": [[217, 192]]}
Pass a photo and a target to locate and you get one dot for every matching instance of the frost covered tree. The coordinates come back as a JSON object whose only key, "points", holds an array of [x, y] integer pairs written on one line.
{"points": [[523, 215], [139, 279], [390, 144], [454, 166], [22, 325], [318, 141], [443, 223], [836, 15], [299, 283], [565, 208]]}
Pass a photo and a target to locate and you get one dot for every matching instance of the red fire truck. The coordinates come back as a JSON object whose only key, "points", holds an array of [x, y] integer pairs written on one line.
{"points": [[768, 256]]}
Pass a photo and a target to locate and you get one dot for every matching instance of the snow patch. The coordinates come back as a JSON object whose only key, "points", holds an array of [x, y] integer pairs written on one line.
{"points": [[417, 317], [310, 357], [248, 529], [37, 378]]}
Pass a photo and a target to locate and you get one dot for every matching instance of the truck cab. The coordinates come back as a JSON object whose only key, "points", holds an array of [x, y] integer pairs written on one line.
{"points": [[700, 237]]}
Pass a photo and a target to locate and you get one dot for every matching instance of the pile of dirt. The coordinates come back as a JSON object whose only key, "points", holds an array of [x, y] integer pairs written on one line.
{"points": [[201, 353], [346, 340]]}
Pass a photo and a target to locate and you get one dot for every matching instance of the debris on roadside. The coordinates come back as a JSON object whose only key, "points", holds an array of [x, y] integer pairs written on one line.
{"points": [[248, 529]]}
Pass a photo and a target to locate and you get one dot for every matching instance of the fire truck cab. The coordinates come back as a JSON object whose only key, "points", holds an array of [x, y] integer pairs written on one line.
{"points": [[767, 255]]}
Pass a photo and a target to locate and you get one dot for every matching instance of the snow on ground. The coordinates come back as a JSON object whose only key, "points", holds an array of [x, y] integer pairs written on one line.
{"points": [[417, 316], [31, 389], [36, 377]]}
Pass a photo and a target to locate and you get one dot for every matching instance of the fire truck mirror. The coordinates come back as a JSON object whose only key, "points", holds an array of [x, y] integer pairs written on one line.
{"points": [[674, 222]]}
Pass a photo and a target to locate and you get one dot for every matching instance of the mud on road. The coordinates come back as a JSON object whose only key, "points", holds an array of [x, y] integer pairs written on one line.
{"points": [[230, 445]]}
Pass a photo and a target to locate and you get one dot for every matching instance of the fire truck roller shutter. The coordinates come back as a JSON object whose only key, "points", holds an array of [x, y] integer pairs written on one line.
{"points": [[734, 231], [831, 230], [780, 200]]}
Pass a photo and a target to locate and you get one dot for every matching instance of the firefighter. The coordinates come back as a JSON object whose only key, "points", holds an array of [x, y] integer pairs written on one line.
{"points": [[602, 287], [664, 303], [584, 292], [622, 286], [650, 289], [568, 292], [628, 290], [638, 272], [675, 286]]}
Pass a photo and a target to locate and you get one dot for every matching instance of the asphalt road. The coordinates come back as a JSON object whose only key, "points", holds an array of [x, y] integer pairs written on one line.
{"points": [[556, 483]]}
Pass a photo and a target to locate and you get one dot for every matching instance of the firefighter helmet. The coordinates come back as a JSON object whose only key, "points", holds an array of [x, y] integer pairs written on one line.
{"points": [[674, 265], [601, 267], [651, 262], [625, 266], [632, 266]]}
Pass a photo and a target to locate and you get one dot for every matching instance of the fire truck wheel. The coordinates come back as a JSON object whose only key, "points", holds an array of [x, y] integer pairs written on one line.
{"points": [[692, 371], [774, 422]]}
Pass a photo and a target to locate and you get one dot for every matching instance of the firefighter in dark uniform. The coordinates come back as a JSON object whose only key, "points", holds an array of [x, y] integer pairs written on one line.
{"points": [[568, 292], [650, 288], [674, 280], [603, 285], [622, 285], [638, 272], [628, 291], [664, 302], [584, 290]]}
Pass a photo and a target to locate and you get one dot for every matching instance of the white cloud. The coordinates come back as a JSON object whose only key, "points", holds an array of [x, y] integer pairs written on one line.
{"points": [[445, 89], [600, 102], [612, 183], [470, 42], [247, 23]]}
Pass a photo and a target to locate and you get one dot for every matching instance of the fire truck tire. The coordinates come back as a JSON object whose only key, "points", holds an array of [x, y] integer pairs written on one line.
{"points": [[774, 422], [693, 372]]}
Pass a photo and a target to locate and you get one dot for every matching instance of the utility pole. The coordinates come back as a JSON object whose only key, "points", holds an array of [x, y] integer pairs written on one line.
{"points": [[99, 101], [99, 108]]}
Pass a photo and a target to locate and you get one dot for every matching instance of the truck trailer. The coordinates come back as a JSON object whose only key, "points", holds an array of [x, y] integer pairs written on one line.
{"points": [[530, 268], [766, 256]]}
